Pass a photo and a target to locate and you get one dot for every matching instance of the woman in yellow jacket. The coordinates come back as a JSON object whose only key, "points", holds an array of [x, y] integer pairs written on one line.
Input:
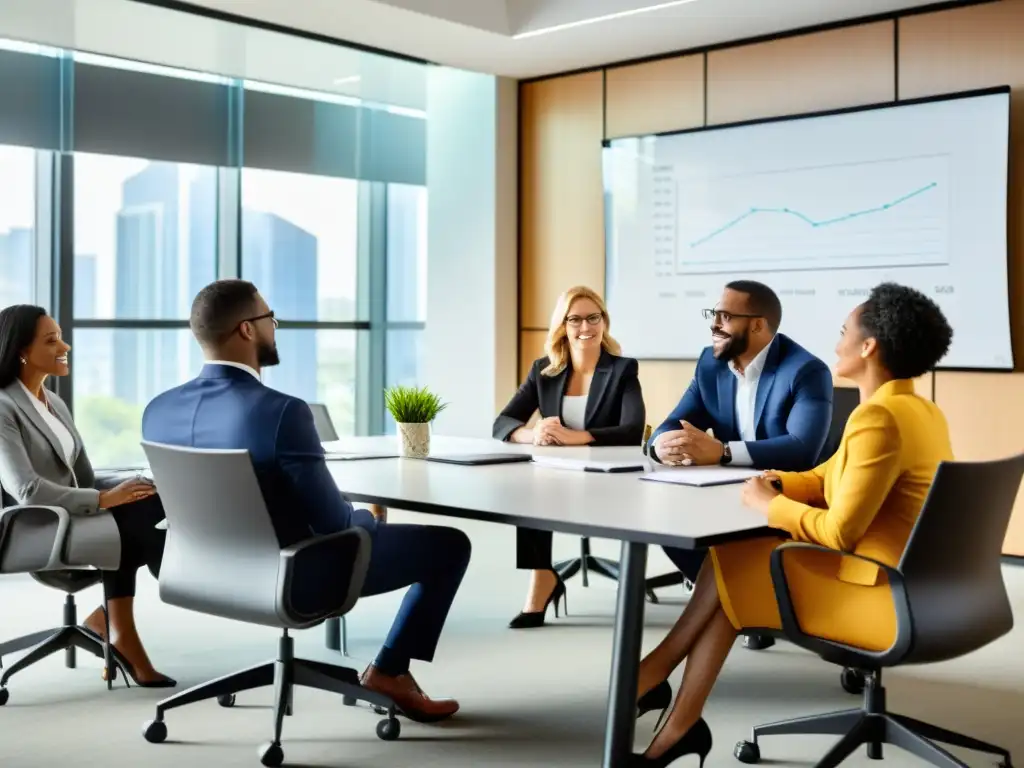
{"points": [[865, 499]]}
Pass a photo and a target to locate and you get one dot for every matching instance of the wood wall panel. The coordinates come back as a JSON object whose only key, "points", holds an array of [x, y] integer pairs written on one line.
{"points": [[531, 346], [986, 421], [562, 199], [663, 383], [665, 95], [826, 70], [970, 48]]}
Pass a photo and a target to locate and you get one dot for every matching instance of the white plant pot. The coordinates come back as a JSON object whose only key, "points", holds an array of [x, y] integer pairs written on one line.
{"points": [[414, 440]]}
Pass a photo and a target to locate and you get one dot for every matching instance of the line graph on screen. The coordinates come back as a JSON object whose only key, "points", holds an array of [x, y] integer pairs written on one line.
{"points": [[879, 214]]}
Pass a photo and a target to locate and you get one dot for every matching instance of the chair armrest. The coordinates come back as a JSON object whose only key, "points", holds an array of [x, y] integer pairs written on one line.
{"points": [[831, 650], [338, 561], [35, 513]]}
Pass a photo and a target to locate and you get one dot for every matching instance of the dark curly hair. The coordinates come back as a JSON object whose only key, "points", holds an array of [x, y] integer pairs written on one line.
{"points": [[912, 333]]}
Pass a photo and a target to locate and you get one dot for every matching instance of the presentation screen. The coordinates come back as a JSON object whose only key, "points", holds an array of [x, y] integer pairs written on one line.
{"points": [[821, 208]]}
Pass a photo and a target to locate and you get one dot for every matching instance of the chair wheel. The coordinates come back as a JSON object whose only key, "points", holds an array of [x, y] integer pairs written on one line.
{"points": [[155, 731], [5, 696], [271, 755], [379, 710], [758, 642], [747, 752], [852, 680], [389, 729], [228, 700], [349, 701]]}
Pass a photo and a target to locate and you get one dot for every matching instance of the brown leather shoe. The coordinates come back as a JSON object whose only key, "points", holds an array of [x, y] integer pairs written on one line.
{"points": [[409, 698]]}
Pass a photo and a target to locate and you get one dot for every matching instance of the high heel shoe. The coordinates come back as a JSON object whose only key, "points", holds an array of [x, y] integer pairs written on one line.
{"points": [[120, 660], [533, 619], [696, 741], [126, 667], [659, 697]]}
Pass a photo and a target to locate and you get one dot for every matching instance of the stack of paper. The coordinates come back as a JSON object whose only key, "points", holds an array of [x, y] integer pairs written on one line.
{"points": [[701, 476]]}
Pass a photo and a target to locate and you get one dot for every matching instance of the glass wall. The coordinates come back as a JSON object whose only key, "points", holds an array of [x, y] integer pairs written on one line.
{"points": [[127, 186]]}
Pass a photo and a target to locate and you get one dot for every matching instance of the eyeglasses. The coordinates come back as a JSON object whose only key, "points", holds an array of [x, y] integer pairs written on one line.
{"points": [[721, 316], [269, 315], [575, 320]]}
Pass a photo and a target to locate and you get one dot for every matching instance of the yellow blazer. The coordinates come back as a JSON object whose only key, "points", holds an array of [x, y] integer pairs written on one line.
{"points": [[867, 497]]}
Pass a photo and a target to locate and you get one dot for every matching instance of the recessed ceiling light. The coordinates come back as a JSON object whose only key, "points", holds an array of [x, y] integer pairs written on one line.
{"points": [[346, 80], [606, 17]]}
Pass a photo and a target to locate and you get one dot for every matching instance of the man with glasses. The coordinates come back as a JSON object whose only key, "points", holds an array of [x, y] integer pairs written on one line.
{"points": [[227, 406], [757, 399]]}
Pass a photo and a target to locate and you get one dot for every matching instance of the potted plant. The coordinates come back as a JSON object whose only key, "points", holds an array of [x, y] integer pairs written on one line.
{"points": [[413, 408]]}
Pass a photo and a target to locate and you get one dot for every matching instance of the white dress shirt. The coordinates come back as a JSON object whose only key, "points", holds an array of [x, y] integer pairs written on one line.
{"points": [[574, 411], [63, 434], [240, 366], [746, 398]]}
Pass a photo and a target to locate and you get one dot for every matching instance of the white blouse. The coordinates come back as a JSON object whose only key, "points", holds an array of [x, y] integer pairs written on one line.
{"points": [[63, 434], [574, 412]]}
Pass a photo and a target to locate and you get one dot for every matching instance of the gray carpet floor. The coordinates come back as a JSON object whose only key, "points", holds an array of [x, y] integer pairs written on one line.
{"points": [[533, 698]]}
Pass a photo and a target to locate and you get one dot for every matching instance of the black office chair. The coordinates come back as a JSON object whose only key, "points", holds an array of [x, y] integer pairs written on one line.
{"points": [[946, 607]]}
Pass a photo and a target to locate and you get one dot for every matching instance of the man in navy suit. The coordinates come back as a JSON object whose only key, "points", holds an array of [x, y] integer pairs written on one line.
{"points": [[227, 406], [757, 399]]}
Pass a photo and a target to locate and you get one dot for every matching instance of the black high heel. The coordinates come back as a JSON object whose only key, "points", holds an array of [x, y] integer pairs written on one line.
{"points": [[113, 659], [659, 697], [696, 741], [126, 667], [534, 619]]}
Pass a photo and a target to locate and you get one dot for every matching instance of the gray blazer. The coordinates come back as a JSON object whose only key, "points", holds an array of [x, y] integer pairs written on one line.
{"points": [[33, 469]]}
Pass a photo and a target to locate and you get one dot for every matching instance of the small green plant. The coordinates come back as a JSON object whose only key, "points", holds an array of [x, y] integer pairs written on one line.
{"points": [[412, 405]]}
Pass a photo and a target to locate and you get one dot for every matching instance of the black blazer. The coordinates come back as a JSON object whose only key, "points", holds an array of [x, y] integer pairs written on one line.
{"points": [[615, 405]]}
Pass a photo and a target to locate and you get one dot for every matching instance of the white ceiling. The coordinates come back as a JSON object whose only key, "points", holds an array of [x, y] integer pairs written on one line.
{"points": [[479, 34]]}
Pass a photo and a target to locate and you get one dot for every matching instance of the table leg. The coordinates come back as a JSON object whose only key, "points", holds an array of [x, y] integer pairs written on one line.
{"points": [[629, 628]]}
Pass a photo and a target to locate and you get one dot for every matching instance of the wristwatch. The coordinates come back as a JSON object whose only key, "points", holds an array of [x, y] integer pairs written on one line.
{"points": [[726, 454]]}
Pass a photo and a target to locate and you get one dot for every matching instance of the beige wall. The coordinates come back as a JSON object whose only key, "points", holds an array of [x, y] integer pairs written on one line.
{"points": [[564, 120]]}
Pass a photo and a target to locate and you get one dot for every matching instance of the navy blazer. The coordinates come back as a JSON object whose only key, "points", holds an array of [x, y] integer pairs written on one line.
{"points": [[615, 410], [226, 407], [792, 413]]}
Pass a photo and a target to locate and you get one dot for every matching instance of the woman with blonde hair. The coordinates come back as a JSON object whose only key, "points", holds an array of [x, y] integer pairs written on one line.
{"points": [[587, 394]]}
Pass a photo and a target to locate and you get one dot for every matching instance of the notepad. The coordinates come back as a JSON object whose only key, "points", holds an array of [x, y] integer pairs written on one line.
{"points": [[701, 477], [358, 455], [589, 465]]}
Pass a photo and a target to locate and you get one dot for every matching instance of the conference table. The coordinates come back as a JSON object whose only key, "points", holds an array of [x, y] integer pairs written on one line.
{"points": [[605, 505]]}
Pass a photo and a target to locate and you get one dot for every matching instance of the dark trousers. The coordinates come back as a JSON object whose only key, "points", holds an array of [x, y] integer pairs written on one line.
{"points": [[533, 549], [431, 561], [688, 561], [142, 544]]}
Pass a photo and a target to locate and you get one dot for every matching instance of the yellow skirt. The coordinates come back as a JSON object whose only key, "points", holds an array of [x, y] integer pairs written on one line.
{"points": [[826, 607]]}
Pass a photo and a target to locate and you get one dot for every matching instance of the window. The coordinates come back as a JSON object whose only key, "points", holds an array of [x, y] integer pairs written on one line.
{"points": [[17, 226], [116, 372], [318, 366], [145, 237], [407, 253], [299, 242]]}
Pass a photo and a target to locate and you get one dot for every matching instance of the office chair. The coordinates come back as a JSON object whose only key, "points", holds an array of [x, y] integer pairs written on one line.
{"points": [[222, 558], [335, 628], [945, 608], [62, 552]]}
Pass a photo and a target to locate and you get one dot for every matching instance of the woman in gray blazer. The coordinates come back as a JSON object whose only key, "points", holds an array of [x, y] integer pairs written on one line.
{"points": [[43, 461]]}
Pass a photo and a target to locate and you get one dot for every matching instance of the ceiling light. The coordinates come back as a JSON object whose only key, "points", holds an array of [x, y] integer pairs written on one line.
{"points": [[346, 80], [606, 17]]}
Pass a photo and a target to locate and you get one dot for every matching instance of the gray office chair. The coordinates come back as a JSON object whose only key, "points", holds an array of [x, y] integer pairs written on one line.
{"points": [[222, 558], [946, 607], [335, 628], [63, 552]]}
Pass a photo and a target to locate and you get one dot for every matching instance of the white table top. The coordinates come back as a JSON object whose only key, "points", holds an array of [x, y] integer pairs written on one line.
{"points": [[614, 506]]}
